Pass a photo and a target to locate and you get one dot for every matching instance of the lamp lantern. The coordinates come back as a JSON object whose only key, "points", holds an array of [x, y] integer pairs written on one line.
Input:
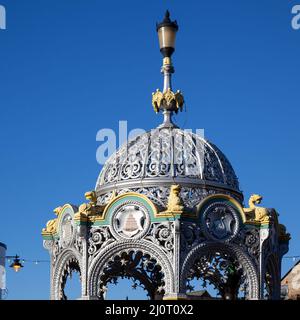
{"points": [[16, 265], [167, 30]]}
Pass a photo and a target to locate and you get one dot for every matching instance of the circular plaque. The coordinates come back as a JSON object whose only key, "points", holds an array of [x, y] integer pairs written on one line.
{"points": [[220, 222], [130, 220]]}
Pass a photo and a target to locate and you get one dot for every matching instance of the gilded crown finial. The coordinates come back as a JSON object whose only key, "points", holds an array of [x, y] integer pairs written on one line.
{"points": [[167, 100]]}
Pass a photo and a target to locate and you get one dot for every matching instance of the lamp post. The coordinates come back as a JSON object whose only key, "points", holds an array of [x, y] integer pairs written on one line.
{"points": [[166, 31], [167, 100]]}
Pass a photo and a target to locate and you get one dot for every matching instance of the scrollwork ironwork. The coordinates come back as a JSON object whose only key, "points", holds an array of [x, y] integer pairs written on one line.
{"points": [[98, 238], [162, 234], [168, 152]]}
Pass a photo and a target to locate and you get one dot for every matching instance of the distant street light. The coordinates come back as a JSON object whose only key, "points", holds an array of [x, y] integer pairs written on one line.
{"points": [[16, 265], [17, 262]]}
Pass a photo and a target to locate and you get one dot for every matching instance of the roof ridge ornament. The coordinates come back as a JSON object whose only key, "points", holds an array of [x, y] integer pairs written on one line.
{"points": [[167, 100]]}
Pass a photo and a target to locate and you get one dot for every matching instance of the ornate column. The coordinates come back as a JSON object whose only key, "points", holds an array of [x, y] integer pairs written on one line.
{"points": [[263, 236], [48, 245]]}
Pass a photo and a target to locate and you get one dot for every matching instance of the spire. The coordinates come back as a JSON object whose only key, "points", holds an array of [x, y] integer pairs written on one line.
{"points": [[167, 100], [167, 16]]}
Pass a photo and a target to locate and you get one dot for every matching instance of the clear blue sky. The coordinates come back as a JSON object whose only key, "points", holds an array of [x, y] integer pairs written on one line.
{"points": [[69, 68]]}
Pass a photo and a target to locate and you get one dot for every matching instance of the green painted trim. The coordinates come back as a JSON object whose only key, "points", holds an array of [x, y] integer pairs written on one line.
{"points": [[257, 226], [153, 218]]}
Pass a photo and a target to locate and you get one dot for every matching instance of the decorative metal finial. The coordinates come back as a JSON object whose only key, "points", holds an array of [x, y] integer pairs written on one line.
{"points": [[167, 101]]}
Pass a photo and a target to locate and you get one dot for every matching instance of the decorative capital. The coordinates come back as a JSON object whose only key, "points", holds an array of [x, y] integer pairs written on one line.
{"points": [[167, 100]]}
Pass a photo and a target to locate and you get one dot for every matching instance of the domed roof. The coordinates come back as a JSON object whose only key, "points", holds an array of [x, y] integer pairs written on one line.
{"points": [[153, 161], [164, 156]]}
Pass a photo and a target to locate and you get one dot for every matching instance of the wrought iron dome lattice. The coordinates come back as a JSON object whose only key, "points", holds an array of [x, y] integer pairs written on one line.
{"points": [[163, 156]]}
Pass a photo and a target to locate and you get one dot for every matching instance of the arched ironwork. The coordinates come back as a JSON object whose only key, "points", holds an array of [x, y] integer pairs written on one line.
{"points": [[137, 260], [224, 266], [66, 264]]}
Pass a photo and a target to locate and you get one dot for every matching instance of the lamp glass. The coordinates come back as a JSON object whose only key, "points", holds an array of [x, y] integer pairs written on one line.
{"points": [[17, 267], [166, 37]]}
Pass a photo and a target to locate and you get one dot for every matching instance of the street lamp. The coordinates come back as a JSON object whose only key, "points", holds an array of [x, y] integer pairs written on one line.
{"points": [[16, 265], [16, 262], [166, 100], [167, 35]]}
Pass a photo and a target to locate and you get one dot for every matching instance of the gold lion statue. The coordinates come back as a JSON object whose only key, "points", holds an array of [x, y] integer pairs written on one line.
{"points": [[52, 224], [256, 213], [91, 208]]}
